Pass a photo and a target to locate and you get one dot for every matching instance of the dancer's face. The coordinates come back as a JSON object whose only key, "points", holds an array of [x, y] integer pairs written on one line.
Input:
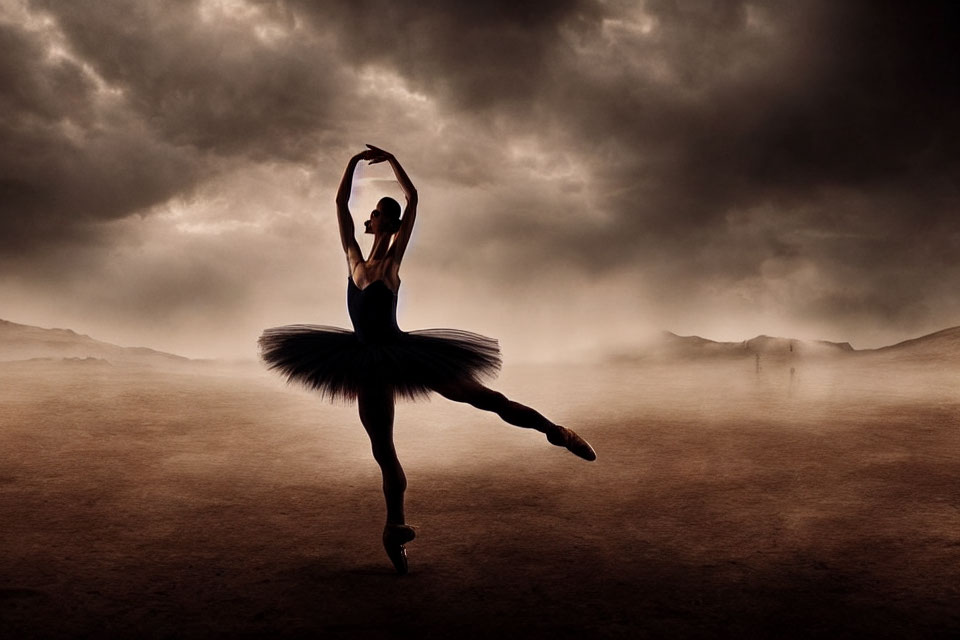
{"points": [[378, 223]]}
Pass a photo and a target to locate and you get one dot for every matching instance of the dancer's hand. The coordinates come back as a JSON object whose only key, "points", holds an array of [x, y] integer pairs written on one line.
{"points": [[369, 155], [378, 154]]}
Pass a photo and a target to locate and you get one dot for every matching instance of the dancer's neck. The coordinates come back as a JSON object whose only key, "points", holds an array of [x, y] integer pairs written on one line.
{"points": [[381, 245]]}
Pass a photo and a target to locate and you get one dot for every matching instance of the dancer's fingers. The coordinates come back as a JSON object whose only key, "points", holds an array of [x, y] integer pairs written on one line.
{"points": [[386, 154]]}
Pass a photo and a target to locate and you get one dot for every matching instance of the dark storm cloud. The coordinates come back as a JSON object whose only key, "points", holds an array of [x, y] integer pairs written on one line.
{"points": [[847, 129], [837, 120], [473, 55], [804, 149], [119, 106], [184, 88], [861, 97], [61, 164], [213, 82], [718, 106]]}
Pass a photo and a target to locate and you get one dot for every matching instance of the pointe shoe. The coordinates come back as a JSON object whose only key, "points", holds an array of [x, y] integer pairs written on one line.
{"points": [[394, 537], [563, 437]]}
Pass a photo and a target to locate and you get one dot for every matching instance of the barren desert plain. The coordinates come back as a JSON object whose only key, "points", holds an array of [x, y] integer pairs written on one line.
{"points": [[211, 500]]}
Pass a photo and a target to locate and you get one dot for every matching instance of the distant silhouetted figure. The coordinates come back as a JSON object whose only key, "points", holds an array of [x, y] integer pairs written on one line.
{"points": [[377, 362]]}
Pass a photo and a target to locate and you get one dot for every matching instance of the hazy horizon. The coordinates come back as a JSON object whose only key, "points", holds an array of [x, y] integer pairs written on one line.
{"points": [[589, 172]]}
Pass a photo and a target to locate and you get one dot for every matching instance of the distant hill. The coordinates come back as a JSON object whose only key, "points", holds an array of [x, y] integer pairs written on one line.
{"points": [[672, 346], [942, 345], [25, 342]]}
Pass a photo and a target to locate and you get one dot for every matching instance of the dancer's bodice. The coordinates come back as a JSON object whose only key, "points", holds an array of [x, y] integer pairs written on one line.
{"points": [[373, 311]]}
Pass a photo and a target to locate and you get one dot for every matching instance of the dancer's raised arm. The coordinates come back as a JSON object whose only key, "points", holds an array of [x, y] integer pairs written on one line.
{"points": [[345, 219], [409, 212]]}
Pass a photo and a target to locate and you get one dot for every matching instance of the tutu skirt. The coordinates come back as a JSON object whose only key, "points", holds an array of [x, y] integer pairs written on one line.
{"points": [[334, 362]]}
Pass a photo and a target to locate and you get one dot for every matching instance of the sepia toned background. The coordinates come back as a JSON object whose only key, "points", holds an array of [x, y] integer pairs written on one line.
{"points": [[591, 173]]}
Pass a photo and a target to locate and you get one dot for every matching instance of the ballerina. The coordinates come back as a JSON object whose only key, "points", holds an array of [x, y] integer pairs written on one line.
{"points": [[377, 362]]}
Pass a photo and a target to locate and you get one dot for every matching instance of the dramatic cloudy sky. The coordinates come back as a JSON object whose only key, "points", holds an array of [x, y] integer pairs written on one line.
{"points": [[588, 170]]}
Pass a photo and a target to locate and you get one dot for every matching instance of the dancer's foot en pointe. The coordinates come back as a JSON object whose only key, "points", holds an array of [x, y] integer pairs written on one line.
{"points": [[563, 437], [394, 537]]}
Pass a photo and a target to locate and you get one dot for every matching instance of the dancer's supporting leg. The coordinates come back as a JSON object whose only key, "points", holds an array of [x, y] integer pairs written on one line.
{"points": [[376, 414], [482, 397]]}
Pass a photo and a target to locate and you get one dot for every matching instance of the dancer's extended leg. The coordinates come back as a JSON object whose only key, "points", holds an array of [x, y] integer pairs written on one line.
{"points": [[482, 397], [376, 414]]}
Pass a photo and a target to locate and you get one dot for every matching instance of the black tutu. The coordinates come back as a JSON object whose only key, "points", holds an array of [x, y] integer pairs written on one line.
{"points": [[377, 354]]}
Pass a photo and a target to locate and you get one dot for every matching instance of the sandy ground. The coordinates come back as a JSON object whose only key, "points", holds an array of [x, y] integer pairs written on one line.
{"points": [[138, 503]]}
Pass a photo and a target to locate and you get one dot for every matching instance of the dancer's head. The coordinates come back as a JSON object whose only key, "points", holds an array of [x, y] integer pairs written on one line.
{"points": [[385, 218]]}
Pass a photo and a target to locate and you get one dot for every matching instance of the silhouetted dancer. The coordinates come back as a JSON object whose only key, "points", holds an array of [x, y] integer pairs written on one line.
{"points": [[377, 362]]}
